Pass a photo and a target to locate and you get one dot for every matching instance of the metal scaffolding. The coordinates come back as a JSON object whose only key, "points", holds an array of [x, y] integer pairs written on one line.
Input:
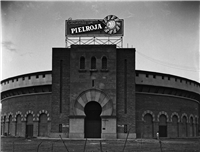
{"points": [[118, 41]]}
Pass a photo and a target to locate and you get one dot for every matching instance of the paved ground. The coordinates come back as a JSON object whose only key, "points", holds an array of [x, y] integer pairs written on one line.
{"points": [[9, 144]]}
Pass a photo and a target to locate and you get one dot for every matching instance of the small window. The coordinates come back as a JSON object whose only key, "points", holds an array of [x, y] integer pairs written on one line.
{"points": [[93, 63], [92, 83], [125, 128], [60, 128], [104, 63], [82, 62]]}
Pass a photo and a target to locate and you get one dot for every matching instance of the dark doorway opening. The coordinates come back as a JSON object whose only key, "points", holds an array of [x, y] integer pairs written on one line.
{"points": [[29, 131], [163, 131], [93, 120]]}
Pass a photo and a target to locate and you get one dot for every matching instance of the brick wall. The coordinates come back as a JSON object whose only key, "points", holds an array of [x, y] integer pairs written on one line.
{"points": [[104, 80], [24, 103], [163, 103], [60, 89], [126, 89]]}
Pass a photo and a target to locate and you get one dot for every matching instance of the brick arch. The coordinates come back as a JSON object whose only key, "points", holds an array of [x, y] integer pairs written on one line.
{"points": [[3, 116], [162, 113], [148, 112], [43, 112], [175, 114], [191, 115], [29, 112], [93, 95], [8, 115], [18, 113], [184, 114]]}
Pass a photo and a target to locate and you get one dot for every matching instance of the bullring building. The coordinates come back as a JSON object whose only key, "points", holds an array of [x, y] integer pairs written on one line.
{"points": [[94, 91]]}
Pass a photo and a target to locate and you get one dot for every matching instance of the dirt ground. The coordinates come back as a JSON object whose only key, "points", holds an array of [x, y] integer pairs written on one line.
{"points": [[9, 144]]}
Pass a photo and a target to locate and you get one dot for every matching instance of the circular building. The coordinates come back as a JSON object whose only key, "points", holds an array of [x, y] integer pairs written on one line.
{"points": [[94, 91]]}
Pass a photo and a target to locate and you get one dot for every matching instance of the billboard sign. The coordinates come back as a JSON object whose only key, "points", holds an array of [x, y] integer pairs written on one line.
{"points": [[111, 25]]}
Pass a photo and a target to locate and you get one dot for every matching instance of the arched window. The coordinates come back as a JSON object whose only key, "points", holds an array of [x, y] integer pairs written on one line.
{"points": [[104, 63], [148, 126], [93, 63], [82, 62], [10, 125], [174, 126], [43, 125], [163, 126], [18, 130]]}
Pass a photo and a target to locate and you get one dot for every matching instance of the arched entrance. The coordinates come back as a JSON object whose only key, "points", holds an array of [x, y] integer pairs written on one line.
{"points": [[191, 128], [174, 128], [18, 126], [148, 126], [29, 126], [10, 125], [163, 126], [184, 126], [93, 120], [43, 125]]}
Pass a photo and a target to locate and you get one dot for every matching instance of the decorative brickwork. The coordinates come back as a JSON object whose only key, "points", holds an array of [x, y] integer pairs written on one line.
{"points": [[130, 100]]}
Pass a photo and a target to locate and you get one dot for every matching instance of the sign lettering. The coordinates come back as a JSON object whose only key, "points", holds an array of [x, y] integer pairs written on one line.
{"points": [[86, 28], [109, 26]]}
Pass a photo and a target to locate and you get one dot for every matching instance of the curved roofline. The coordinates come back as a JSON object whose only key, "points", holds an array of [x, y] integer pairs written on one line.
{"points": [[164, 74], [140, 71], [27, 74]]}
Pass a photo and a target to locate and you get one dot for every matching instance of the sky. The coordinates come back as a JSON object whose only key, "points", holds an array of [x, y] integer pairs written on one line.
{"points": [[165, 34]]}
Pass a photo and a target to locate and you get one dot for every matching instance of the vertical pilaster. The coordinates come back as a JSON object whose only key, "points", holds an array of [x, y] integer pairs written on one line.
{"points": [[13, 132], [60, 89], [23, 133], [126, 110], [155, 128], [35, 128]]}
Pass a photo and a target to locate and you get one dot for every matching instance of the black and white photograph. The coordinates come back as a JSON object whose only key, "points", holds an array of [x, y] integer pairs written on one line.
{"points": [[100, 76]]}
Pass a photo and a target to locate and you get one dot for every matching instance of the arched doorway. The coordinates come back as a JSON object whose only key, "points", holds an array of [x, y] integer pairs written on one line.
{"points": [[10, 125], [148, 126], [18, 125], [163, 126], [184, 126], [92, 120], [29, 126], [43, 125], [174, 126], [191, 127]]}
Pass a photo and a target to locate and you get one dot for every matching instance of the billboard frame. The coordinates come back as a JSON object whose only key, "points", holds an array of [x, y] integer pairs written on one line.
{"points": [[109, 30]]}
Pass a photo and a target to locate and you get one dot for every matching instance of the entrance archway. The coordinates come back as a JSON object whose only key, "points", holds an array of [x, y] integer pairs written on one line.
{"points": [[148, 126], [163, 126], [93, 120], [29, 126]]}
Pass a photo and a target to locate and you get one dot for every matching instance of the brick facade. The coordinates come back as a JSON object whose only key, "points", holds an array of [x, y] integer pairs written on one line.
{"points": [[137, 101]]}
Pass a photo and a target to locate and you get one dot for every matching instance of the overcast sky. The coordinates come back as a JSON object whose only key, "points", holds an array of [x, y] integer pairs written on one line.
{"points": [[165, 34]]}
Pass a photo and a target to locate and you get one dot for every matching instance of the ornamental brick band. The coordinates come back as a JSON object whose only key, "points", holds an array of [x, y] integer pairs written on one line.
{"points": [[93, 95]]}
